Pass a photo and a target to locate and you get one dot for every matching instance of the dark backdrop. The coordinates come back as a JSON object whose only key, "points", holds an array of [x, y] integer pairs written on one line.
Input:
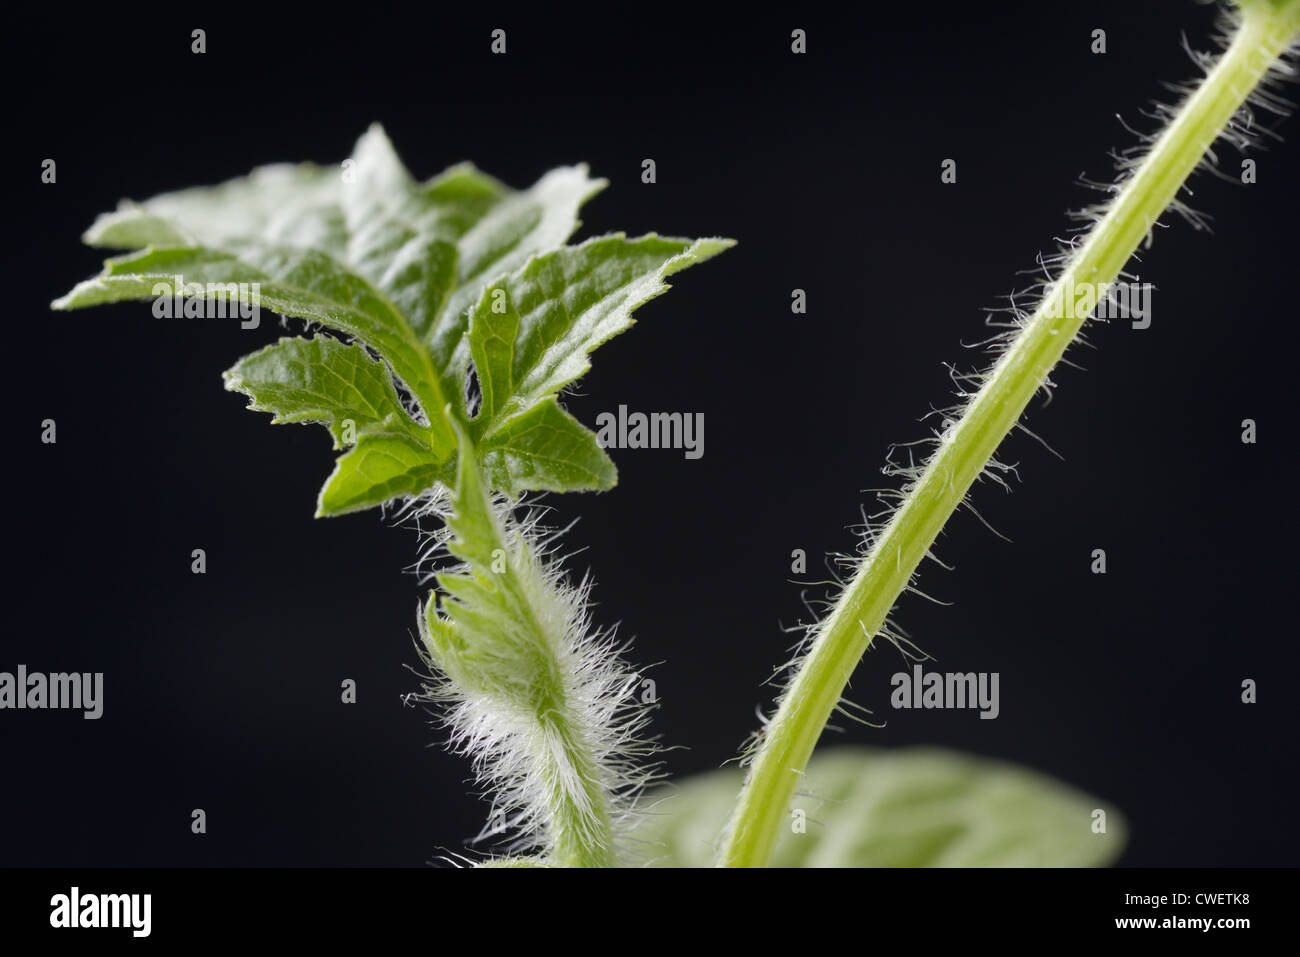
{"points": [[222, 691]]}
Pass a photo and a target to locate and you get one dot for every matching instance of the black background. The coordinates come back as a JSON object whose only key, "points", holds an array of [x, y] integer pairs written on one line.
{"points": [[222, 691]]}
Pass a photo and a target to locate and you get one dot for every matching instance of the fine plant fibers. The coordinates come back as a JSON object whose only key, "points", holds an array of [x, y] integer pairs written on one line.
{"points": [[445, 320], [1259, 36]]}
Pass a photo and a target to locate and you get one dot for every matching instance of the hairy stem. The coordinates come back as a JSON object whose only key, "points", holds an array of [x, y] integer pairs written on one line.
{"points": [[579, 824], [526, 682], [1266, 29], [581, 829]]}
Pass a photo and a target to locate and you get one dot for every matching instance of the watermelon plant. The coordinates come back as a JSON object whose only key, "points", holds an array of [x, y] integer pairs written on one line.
{"points": [[445, 320]]}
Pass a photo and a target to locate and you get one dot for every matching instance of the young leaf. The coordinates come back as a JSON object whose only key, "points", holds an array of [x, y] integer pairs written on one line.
{"points": [[918, 807], [388, 461], [340, 386], [319, 380], [366, 251], [546, 448], [530, 334], [302, 283], [429, 249]]}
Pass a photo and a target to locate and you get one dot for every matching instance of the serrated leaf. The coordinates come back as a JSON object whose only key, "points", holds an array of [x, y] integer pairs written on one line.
{"points": [[546, 449], [363, 249], [428, 248], [917, 807], [530, 335], [304, 284], [399, 266], [387, 462], [319, 380], [494, 237]]}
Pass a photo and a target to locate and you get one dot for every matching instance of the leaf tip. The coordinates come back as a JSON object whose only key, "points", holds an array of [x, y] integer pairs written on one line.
{"points": [[326, 508], [700, 250]]}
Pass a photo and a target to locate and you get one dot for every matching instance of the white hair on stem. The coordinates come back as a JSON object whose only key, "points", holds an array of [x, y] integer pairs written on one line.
{"points": [[540, 700]]}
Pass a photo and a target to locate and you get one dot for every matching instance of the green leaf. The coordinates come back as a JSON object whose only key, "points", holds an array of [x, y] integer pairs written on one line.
{"points": [[546, 449], [323, 380], [319, 380], [294, 205], [497, 231], [400, 266], [425, 250], [365, 250], [387, 462], [917, 807], [302, 283], [530, 335]]}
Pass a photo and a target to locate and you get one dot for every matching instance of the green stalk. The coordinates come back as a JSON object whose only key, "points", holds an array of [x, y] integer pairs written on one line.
{"points": [[1266, 29], [581, 830], [503, 639]]}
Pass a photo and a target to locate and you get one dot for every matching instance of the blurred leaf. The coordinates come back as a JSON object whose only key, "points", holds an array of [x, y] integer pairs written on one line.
{"points": [[515, 862], [917, 807]]}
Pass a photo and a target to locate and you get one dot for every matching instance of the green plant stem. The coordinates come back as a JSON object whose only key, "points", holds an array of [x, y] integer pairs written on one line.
{"points": [[965, 449], [512, 655], [580, 825], [581, 829]]}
